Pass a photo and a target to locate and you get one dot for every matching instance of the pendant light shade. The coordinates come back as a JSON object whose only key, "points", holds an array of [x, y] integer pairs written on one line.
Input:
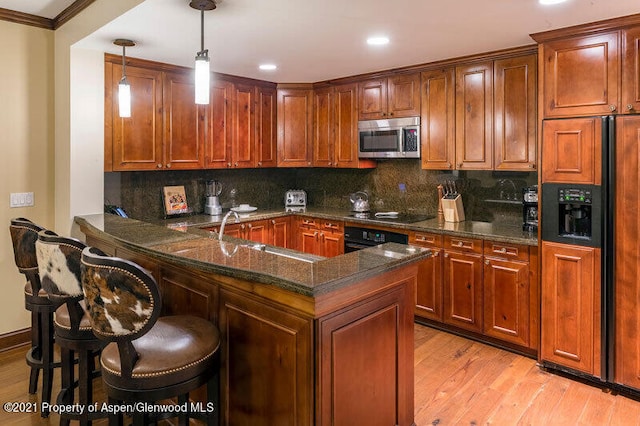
{"points": [[124, 88], [202, 68]]}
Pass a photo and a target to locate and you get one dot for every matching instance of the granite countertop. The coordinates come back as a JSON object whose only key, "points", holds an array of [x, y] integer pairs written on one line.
{"points": [[499, 231], [304, 274]]}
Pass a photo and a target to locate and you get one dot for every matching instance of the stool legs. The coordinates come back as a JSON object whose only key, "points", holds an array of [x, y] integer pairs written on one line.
{"points": [[36, 350], [40, 356]]}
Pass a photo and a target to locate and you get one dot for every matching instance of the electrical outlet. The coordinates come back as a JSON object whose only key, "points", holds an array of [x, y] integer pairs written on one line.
{"points": [[21, 199]]}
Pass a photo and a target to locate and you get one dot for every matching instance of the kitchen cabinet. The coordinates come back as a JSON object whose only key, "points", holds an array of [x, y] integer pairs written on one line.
{"points": [[274, 232], [437, 118], [335, 128], [569, 151], [507, 293], [134, 143], [627, 243], [570, 316], [295, 126], [220, 131], [389, 97], [429, 283], [184, 123], [463, 287], [630, 70], [244, 126], [266, 128], [320, 236], [280, 232]]}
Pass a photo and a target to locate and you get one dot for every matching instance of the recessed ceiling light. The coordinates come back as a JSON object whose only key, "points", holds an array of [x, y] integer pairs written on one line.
{"points": [[378, 40], [551, 1], [267, 67]]}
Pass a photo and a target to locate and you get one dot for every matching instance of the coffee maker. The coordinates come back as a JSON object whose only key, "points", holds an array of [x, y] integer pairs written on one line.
{"points": [[530, 209], [212, 203]]}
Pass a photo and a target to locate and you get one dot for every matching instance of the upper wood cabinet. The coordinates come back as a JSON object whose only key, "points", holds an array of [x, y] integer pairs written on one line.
{"points": [[134, 143], [244, 126], [295, 127], [266, 129], [390, 97], [631, 70], [480, 116], [220, 131]]}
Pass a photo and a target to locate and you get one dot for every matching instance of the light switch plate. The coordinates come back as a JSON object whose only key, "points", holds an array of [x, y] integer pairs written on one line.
{"points": [[21, 199]]}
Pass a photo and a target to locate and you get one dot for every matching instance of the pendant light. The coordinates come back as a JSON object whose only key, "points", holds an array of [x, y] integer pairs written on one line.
{"points": [[124, 89], [202, 72]]}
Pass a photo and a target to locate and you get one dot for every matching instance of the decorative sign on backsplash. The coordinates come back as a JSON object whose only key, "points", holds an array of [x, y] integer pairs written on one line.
{"points": [[175, 200]]}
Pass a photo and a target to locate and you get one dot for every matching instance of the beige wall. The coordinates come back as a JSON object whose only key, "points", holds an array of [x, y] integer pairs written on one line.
{"points": [[26, 144]]}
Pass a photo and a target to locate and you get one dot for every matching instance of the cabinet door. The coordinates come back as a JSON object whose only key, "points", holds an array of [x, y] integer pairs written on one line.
{"points": [[570, 321], [295, 124], [257, 231], [220, 135], [463, 290], [572, 150], [437, 120], [372, 95], [429, 287], [631, 71], [184, 293], [345, 127], [627, 244], [506, 300], [266, 129], [404, 96], [243, 145], [136, 142], [280, 232], [515, 104], [308, 241], [474, 116], [235, 230], [332, 243], [581, 76], [183, 123], [322, 128]]}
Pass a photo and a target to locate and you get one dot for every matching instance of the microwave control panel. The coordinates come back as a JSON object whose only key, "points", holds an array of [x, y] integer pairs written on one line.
{"points": [[410, 140]]}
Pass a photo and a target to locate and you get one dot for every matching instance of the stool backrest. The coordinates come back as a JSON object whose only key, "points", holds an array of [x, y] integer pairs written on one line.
{"points": [[24, 234], [59, 264], [122, 298]]}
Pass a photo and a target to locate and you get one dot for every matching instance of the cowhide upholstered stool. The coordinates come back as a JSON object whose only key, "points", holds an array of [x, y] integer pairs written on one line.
{"points": [[59, 268], [24, 234], [149, 358]]}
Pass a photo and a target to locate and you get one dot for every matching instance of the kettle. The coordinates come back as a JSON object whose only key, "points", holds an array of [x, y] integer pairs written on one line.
{"points": [[359, 201]]}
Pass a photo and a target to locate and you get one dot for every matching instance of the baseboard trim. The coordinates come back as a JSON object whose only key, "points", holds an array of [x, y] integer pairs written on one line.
{"points": [[13, 339]]}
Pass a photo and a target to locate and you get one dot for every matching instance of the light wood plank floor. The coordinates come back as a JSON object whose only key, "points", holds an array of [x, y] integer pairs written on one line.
{"points": [[458, 382]]}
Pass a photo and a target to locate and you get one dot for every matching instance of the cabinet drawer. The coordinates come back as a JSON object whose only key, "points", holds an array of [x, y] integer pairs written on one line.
{"points": [[331, 225], [425, 239], [468, 245], [506, 250], [308, 222]]}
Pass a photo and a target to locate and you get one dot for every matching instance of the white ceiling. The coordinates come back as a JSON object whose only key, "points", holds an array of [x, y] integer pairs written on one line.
{"points": [[315, 40], [46, 8]]}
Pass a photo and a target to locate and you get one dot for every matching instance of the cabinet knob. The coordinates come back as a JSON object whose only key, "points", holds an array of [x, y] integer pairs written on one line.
{"points": [[273, 222], [612, 108], [460, 165], [436, 254], [487, 262], [169, 166], [446, 255], [329, 162], [159, 165], [260, 163], [448, 165], [236, 164], [532, 166], [460, 243], [630, 107], [228, 164], [249, 226], [242, 226]]}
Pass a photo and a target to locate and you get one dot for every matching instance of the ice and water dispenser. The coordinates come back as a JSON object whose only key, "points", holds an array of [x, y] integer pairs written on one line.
{"points": [[572, 214]]}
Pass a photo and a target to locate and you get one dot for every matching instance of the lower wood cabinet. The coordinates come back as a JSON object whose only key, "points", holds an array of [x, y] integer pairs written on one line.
{"points": [[321, 237], [463, 290], [571, 307], [275, 232], [429, 286]]}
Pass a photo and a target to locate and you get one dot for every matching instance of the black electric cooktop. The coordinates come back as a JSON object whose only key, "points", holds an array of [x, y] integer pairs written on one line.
{"points": [[400, 218]]}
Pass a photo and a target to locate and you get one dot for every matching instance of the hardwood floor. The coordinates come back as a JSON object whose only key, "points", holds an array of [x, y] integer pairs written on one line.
{"points": [[458, 382]]}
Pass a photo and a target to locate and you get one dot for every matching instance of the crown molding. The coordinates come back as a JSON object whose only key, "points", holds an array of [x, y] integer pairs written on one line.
{"points": [[41, 22]]}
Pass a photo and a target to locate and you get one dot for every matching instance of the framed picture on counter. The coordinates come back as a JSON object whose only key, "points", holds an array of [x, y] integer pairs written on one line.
{"points": [[175, 200]]}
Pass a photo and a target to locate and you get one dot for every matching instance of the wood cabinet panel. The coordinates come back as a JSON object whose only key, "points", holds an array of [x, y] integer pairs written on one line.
{"points": [[295, 124], [184, 123], [572, 151], [268, 354], [280, 232], [184, 293], [474, 116], [506, 300], [345, 126], [571, 307], [266, 127], [372, 96], [627, 243], [581, 75], [437, 119], [403, 95], [463, 291], [428, 300], [322, 128], [244, 132], [220, 131], [136, 141], [320, 237], [631, 71], [515, 87]]}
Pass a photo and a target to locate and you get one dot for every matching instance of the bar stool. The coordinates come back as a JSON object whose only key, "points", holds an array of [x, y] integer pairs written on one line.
{"points": [[24, 234], [148, 358], [59, 269]]}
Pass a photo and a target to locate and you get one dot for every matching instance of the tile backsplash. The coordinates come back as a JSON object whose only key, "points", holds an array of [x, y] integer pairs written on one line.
{"points": [[395, 185]]}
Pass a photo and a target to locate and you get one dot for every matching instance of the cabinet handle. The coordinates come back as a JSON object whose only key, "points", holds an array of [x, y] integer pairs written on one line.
{"points": [[448, 165], [612, 108], [446, 255], [228, 164], [315, 235], [630, 107], [532, 166], [236, 164], [260, 163], [460, 165], [159, 165], [168, 166], [487, 262], [502, 250], [249, 226], [273, 222], [460, 244], [242, 226], [436, 254]]}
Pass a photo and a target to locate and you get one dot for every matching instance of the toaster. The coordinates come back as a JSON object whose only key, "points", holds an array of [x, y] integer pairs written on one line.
{"points": [[295, 200]]}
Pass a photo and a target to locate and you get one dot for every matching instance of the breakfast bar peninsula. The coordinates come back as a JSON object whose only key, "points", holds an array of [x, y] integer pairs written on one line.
{"points": [[306, 340]]}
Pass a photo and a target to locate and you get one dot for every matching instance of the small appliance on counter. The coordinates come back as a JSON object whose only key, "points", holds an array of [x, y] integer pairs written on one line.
{"points": [[295, 200], [212, 204], [530, 209]]}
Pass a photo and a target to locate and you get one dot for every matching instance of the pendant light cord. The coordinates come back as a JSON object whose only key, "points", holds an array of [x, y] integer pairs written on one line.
{"points": [[202, 30], [124, 64]]}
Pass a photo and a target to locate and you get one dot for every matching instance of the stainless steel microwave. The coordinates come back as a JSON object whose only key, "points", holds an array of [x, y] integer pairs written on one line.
{"points": [[392, 138]]}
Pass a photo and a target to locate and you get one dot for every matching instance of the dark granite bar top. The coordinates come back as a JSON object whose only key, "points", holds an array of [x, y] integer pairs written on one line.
{"points": [[287, 269], [499, 231]]}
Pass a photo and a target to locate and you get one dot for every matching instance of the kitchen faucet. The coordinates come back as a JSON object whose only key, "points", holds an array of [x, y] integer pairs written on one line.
{"points": [[224, 222]]}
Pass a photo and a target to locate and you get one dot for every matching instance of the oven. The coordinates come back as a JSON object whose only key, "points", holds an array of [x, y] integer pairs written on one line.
{"points": [[356, 238]]}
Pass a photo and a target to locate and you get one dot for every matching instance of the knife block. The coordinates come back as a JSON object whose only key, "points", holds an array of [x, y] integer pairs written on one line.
{"points": [[452, 208]]}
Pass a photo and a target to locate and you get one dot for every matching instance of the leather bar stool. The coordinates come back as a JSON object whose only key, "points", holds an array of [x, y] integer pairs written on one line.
{"points": [[24, 234], [59, 269], [148, 358]]}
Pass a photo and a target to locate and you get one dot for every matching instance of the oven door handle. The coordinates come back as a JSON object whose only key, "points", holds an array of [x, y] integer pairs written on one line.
{"points": [[356, 246]]}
